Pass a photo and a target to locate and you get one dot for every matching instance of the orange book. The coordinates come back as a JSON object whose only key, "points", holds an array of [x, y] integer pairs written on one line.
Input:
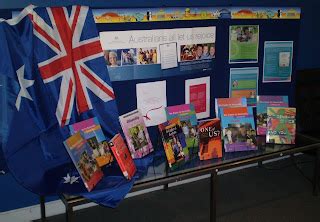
{"points": [[210, 139], [228, 102]]}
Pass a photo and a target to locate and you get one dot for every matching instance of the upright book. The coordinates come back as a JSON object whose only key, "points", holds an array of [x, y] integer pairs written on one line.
{"points": [[83, 159], [93, 133], [173, 141], [187, 115], [262, 103], [281, 125], [228, 102], [238, 129], [210, 139], [122, 155], [136, 134]]}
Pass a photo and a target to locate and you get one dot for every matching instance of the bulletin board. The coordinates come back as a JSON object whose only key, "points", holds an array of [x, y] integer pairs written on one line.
{"points": [[269, 30]]}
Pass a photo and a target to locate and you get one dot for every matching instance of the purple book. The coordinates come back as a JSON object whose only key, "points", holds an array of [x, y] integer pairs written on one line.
{"points": [[136, 134], [263, 102], [238, 129]]}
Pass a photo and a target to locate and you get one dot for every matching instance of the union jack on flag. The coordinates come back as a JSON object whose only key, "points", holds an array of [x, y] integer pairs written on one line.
{"points": [[62, 34]]}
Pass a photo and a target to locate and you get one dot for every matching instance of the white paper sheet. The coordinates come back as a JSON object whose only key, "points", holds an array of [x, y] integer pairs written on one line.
{"points": [[151, 100], [168, 55], [197, 92]]}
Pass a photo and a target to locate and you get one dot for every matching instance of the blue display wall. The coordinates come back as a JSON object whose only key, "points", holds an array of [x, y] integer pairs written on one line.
{"points": [[270, 30]]}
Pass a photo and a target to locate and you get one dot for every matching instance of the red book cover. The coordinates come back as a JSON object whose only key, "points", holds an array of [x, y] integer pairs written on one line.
{"points": [[123, 156], [210, 139]]}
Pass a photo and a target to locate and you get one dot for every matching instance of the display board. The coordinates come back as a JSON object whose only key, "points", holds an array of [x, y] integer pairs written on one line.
{"points": [[269, 30], [163, 63]]}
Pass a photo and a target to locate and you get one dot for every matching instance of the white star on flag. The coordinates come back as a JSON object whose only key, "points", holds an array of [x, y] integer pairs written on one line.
{"points": [[24, 84], [71, 180]]}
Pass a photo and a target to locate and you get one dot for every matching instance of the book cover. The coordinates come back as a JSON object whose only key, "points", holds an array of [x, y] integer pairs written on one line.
{"points": [[93, 133], [174, 143], [123, 156], [228, 102], [210, 139], [83, 158], [187, 115], [238, 129], [281, 125], [262, 103], [136, 134]]}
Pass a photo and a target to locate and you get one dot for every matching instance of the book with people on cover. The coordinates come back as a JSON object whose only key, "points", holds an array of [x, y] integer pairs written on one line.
{"points": [[94, 135], [281, 125], [187, 115], [123, 156], [262, 103], [238, 129], [174, 143], [228, 102], [83, 158], [210, 139], [136, 134]]}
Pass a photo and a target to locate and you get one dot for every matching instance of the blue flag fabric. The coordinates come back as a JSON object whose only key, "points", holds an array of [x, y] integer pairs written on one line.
{"points": [[55, 74]]}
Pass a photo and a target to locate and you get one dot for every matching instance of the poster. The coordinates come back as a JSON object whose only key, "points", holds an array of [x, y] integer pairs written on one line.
{"points": [[277, 64], [244, 83], [243, 44], [136, 54], [133, 15], [151, 101], [197, 92]]}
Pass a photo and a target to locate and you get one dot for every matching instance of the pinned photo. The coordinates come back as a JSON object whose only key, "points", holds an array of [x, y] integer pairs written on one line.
{"points": [[197, 51], [147, 56], [113, 57], [128, 57]]}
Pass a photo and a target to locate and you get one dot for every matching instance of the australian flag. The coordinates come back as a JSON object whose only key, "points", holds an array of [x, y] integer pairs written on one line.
{"points": [[55, 75]]}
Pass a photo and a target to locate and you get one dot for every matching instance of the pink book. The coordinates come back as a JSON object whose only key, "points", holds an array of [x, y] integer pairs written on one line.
{"points": [[136, 134]]}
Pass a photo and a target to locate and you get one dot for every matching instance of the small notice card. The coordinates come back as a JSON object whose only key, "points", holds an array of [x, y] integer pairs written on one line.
{"points": [[168, 55]]}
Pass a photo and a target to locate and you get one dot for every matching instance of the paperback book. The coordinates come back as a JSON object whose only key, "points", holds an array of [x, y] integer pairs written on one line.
{"points": [[262, 103], [93, 133], [174, 142], [136, 134], [83, 159], [281, 125], [187, 115], [228, 102], [210, 139], [238, 129], [122, 155]]}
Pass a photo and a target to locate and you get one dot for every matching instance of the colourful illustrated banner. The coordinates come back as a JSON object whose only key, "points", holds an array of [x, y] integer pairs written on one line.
{"points": [[243, 44], [277, 64], [123, 15], [137, 54], [244, 83]]}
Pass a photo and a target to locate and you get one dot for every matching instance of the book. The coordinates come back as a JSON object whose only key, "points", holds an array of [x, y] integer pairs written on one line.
{"points": [[281, 125], [83, 159], [174, 143], [262, 103], [228, 102], [136, 134], [123, 156], [238, 129], [187, 115], [94, 135], [210, 139]]}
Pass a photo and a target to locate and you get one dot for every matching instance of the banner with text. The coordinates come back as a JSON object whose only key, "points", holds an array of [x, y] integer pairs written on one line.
{"points": [[141, 54]]}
